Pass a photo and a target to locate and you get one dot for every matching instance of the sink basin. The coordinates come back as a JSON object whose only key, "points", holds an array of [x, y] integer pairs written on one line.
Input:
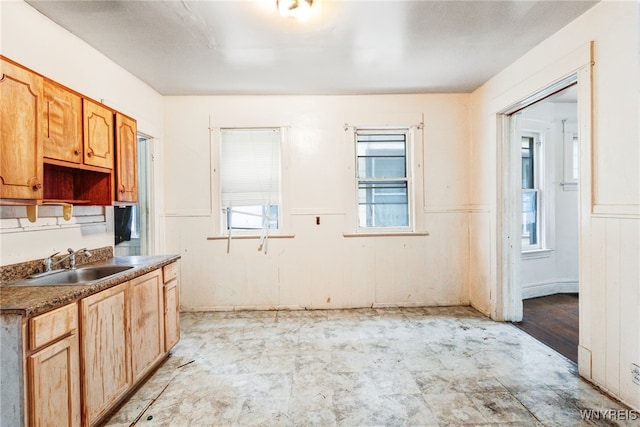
{"points": [[79, 276]]}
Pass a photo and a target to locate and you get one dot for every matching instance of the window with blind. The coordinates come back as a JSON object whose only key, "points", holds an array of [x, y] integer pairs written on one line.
{"points": [[382, 178], [250, 178]]}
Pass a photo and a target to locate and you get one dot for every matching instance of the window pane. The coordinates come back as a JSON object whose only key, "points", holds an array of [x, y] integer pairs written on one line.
{"points": [[383, 144], [529, 217], [383, 204], [527, 163], [382, 185], [381, 155], [381, 167], [251, 217]]}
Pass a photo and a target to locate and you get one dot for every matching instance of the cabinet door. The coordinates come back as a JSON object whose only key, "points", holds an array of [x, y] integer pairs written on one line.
{"points": [[147, 323], [126, 159], [21, 103], [54, 386], [62, 117], [104, 350], [98, 135], [171, 314]]}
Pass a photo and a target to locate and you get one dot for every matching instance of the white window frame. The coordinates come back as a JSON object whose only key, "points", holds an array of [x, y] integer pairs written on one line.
{"points": [[223, 209], [571, 152], [542, 220], [407, 131]]}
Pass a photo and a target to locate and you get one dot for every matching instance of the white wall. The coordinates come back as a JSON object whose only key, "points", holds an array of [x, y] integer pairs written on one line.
{"points": [[319, 267], [36, 42], [610, 212]]}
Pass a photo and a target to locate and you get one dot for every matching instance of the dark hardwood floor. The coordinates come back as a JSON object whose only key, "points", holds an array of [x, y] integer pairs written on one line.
{"points": [[554, 321]]}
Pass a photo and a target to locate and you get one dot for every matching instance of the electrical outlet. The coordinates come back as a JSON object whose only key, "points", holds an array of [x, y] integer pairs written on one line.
{"points": [[635, 373]]}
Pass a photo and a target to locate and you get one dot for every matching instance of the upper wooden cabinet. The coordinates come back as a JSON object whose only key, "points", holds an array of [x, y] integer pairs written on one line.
{"points": [[98, 135], [126, 169], [67, 177], [21, 101], [62, 117], [57, 146]]}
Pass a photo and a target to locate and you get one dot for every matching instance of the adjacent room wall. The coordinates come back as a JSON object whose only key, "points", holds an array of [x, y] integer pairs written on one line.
{"points": [[319, 267], [36, 42], [610, 218], [554, 269]]}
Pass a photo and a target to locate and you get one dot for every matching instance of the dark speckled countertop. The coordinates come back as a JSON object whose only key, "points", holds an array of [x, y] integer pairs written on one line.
{"points": [[30, 301]]}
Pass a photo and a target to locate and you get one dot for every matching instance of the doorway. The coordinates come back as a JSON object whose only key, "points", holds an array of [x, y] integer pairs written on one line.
{"points": [[549, 268], [545, 252], [132, 223]]}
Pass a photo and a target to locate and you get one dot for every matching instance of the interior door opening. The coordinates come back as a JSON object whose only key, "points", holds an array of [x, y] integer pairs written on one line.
{"points": [[131, 223], [547, 260]]}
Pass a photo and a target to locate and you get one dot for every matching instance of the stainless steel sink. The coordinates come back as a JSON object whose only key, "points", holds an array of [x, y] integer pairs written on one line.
{"points": [[79, 276]]}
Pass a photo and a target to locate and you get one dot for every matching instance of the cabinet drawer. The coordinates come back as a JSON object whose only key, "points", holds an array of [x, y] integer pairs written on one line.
{"points": [[52, 325], [170, 272]]}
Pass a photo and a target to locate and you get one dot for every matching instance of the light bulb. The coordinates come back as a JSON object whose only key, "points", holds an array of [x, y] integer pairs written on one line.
{"points": [[299, 9]]}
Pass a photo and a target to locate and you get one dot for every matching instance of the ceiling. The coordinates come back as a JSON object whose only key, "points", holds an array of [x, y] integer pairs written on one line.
{"points": [[237, 47]]}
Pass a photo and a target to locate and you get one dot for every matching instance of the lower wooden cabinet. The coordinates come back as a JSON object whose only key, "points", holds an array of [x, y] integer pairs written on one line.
{"points": [[147, 323], [54, 385], [105, 351], [171, 274], [82, 359], [53, 374]]}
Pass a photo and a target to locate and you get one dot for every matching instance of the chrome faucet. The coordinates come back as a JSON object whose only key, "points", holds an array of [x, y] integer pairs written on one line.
{"points": [[72, 256], [49, 264]]}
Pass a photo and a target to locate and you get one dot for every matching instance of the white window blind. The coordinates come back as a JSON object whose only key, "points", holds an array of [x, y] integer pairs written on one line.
{"points": [[250, 178], [250, 167]]}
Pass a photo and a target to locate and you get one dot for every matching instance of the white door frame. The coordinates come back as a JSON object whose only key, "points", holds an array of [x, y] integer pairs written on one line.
{"points": [[509, 290], [509, 298], [149, 222]]}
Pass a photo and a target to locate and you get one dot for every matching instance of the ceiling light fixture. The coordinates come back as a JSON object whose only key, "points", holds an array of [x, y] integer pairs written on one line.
{"points": [[300, 9]]}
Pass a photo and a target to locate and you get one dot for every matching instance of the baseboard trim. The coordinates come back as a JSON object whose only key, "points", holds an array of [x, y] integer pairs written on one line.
{"points": [[543, 289], [584, 362], [417, 304], [188, 309], [184, 309]]}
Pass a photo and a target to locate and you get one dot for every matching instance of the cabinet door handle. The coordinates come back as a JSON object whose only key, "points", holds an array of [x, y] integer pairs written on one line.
{"points": [[90, 154], [35, 184], [122, 189], [76, 152]]}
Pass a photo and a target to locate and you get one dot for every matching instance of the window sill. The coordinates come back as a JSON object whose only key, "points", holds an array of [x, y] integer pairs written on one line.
{"points": [[387, 234], [251, 236], [537, 253]]}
